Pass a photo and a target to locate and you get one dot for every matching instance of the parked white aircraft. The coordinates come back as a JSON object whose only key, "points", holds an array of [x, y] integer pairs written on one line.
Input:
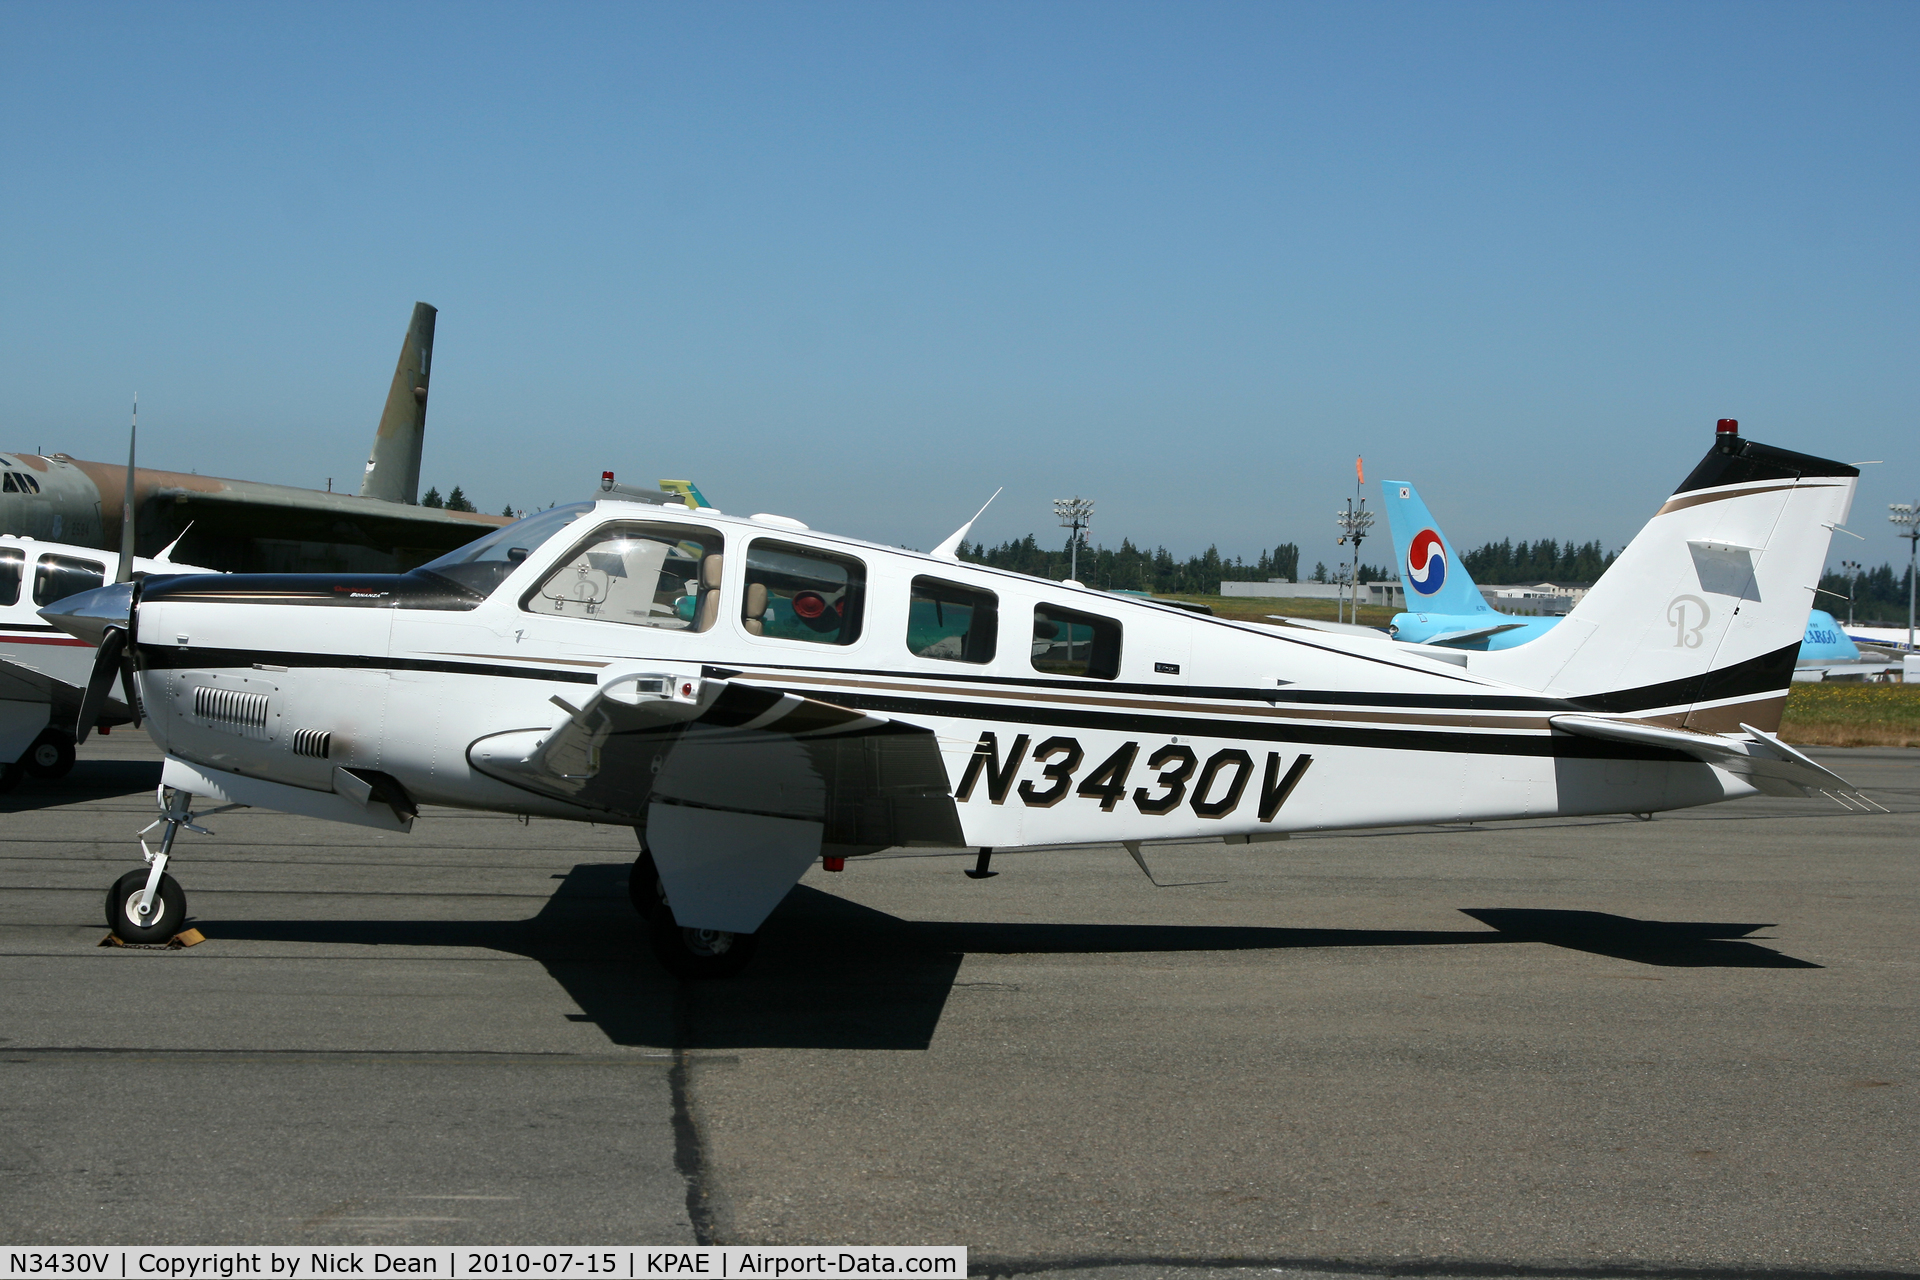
{"points": [[753, 696], [43, 670]]}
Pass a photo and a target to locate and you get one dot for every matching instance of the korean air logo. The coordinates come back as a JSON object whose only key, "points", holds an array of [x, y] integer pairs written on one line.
{"points": [[1426, 562]]}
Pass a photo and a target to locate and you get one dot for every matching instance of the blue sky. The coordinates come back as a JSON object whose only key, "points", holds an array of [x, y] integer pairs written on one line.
{"points": [[864, 264]]}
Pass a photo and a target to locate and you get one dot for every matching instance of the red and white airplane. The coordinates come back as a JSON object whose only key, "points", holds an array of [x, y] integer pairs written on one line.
{"points": [[753, 696], [43, 670]]}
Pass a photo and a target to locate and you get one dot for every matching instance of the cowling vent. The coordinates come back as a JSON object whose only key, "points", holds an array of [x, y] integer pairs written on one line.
{"points": [[312, 742], [231, 708]]}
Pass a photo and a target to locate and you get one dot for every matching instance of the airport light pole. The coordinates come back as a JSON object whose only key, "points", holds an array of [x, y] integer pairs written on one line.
{"points": [[1354, 524], [1907, 514], [1851, 568], [1075, 513]]}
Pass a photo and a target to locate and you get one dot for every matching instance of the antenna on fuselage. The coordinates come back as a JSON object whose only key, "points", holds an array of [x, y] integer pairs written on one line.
{"points": [[125, 572], [950, 549]]}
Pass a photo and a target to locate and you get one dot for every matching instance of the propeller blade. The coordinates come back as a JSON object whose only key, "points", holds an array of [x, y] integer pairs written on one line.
{"points": [[106, 669]]}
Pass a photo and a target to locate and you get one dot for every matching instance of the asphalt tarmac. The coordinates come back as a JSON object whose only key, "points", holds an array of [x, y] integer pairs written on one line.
{"points": [[1583, 1047]]}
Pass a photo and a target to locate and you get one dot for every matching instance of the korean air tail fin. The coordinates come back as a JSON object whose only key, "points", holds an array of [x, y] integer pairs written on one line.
{"points": [[1431, 571], [393, 468], [1697, 624]]}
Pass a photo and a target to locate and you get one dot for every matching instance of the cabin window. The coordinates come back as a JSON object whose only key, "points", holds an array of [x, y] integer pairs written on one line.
{"points": [[13, 563], [1075, 644], [58, 577], [954, 623], [484, 564], [18, 482], [642, 575], [802, 593]]}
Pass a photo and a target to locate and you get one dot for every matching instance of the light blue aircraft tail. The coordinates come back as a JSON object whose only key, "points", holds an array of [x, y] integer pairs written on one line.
{"points": [[1431, 571]]}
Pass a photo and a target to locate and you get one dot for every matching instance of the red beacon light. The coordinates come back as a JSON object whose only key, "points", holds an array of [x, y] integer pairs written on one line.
{"points": [[1725, 427], [606, 482]]}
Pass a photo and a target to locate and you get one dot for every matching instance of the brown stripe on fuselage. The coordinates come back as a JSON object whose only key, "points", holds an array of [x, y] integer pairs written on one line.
{"points": [[1681, 501], [1761, 713], [1534, 722]]}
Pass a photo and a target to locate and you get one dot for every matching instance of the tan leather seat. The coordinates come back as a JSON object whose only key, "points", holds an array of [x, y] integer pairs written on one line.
{"points": [[756, 609], [709, 613]]}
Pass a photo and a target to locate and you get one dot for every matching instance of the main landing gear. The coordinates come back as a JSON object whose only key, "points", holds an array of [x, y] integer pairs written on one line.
{"points": [[50, 756], [149, 906], [684, 953]]}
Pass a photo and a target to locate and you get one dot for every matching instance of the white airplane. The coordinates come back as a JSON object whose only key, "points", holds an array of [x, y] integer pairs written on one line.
{"points": [[752, 697], [43, 670]]}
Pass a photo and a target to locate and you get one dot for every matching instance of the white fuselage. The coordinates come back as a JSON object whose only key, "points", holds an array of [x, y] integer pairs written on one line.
{"points": [[1202, 727]]}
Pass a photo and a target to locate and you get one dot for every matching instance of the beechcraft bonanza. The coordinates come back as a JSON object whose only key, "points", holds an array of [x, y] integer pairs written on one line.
{"points": [[754, 697]]}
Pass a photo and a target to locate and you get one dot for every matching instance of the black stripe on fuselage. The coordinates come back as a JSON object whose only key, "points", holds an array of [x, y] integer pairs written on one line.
{"points": [[1768, 673], [1562, 746], [155, 657]]}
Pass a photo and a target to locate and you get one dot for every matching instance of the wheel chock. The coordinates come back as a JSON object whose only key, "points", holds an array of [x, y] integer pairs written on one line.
{"points": [[178, 942]]}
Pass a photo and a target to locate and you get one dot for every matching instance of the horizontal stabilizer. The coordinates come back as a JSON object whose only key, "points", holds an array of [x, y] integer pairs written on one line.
{"points": [[1770, 765], [1477, 633]]}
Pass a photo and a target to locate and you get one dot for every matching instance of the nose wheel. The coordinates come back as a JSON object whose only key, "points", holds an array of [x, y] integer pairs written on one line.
{"points": [[148, 905], [133, 918]]}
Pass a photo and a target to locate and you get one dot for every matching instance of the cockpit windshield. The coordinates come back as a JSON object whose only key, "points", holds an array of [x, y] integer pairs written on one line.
{"points": [[483, 565]]}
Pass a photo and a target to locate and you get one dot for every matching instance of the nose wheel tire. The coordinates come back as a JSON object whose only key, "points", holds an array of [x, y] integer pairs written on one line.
{"points": [[50, 756], [648, 894], [700, 953], [162, 920]]}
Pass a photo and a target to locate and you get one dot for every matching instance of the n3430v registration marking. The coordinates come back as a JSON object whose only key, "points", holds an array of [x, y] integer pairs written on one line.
{"points": [[1212, 790]]}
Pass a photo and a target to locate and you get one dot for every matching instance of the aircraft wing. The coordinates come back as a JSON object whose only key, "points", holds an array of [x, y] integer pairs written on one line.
{"points": [[735, 788], [1476, 633], [643, 740], [241, 509], [1337, 628], [1772, 766]]}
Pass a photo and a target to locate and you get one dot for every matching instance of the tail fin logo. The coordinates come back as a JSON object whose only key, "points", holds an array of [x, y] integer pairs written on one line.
{"points": [[1426, 562]]}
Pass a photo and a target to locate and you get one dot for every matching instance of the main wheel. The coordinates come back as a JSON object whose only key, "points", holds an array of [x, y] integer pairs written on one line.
{"points": [[645, 888], [50, 756], [699, 953], [163, 919]]}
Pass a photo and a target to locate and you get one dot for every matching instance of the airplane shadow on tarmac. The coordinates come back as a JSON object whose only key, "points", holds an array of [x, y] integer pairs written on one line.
{"points": [[834, 974], [88, 780]]}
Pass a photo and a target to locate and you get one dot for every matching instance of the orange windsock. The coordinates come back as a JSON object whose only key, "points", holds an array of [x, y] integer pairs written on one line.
{"points": [[1360, 470]]}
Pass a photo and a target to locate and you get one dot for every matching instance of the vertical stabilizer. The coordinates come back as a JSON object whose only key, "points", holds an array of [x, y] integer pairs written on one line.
{"points": [[393, 468], [1697, 624], [1431, 571]]}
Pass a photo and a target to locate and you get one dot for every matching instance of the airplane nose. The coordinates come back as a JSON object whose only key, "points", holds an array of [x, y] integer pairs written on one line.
{"points": [[88, 614]]}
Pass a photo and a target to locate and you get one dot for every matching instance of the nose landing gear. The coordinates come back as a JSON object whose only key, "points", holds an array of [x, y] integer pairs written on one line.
{"points": [[148, 906]]}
